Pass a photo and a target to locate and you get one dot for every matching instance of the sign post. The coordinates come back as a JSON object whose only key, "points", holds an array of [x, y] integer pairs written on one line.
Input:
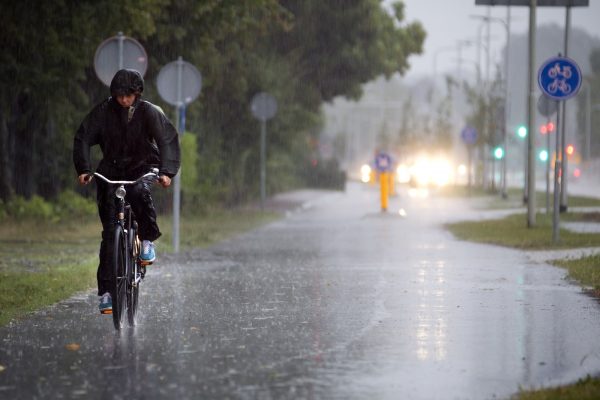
{"points": [[263, 107], [560, 79], [178, 83]]}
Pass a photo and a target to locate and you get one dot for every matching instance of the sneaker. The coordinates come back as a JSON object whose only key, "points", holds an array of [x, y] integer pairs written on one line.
{"points": [[148, 255], [105, 304]]}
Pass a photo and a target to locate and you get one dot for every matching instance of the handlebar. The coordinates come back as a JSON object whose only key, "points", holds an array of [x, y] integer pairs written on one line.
{"points": [[153, 173]]}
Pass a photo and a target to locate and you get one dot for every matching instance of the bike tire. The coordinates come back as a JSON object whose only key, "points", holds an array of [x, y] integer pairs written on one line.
{"points": [[133, 289], [120, 265]]}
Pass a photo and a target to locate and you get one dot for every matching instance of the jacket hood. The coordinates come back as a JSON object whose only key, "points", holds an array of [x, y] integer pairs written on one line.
{"points": [[126, 82]]}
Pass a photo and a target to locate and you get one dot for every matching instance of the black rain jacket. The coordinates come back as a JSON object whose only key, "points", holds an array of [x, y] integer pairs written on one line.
{"points": [[131, 148]]}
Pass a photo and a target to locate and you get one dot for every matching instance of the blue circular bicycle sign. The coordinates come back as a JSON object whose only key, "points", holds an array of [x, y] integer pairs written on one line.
{"points": [[559, 78], [383, 162]]}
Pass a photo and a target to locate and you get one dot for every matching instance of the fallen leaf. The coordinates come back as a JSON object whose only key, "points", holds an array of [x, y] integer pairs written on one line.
{"points": [[73, 346]]}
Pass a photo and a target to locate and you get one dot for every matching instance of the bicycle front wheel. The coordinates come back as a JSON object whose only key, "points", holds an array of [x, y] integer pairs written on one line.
{"points": [[120, 265], [133, 284]]}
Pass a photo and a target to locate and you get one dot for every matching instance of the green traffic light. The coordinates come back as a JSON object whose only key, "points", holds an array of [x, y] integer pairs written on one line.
{"points": [[499, 153], [543, 155], [522, 131]]}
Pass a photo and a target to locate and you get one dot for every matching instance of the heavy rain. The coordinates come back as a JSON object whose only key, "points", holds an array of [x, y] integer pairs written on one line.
{"points": [[274, 199]]}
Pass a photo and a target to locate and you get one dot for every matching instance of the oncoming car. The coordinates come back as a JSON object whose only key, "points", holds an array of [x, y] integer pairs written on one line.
{"points": [[424, 171]]}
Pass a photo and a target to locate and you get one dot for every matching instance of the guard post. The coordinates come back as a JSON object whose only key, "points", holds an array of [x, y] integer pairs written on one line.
{"points": [[383, 163]]}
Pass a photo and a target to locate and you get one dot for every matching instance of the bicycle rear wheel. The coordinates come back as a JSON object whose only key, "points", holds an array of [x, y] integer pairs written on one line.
{"points": [[121, 267], [133, 281]]}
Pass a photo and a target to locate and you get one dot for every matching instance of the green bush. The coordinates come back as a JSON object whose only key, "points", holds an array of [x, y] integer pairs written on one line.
{"points": [[36, 207], [71, 204], [68, 204]]}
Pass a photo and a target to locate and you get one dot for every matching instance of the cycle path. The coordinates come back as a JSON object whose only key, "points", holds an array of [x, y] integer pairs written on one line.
{"points": [[338, 300]]}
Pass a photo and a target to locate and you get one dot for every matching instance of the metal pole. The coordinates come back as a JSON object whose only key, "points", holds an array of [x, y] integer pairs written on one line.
{"points": [[563, 179], [588, 121], [506, 103], [121, 39], [263, 162], [548, 166], [486, 113], [557, 172], [177, 178], [531, 118]]}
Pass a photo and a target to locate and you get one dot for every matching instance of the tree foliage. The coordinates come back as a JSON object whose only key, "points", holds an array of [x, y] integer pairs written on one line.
{"points": [[302, 52]]}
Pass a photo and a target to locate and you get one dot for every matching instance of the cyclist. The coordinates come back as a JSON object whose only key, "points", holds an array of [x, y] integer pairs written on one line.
{"points": [[134, 136]]}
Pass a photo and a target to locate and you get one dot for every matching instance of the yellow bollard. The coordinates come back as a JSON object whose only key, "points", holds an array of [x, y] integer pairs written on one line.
{"points": [[384, 184]]}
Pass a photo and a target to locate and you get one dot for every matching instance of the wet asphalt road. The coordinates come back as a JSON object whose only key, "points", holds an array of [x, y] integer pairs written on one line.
{"points": [[336, 301]]}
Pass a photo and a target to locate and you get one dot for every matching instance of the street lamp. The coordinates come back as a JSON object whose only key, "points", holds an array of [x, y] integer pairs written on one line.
{"points": [[506, 24]]}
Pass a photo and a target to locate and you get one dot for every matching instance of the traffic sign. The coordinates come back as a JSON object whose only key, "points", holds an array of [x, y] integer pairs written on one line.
{"points": [[469, 135], [179, 83], [546, 106], [559, 78], [383, 162], [263, 106], [116, 53]]}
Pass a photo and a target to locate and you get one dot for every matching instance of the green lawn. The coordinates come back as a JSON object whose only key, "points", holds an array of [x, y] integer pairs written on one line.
{"points": [[45, 262]]}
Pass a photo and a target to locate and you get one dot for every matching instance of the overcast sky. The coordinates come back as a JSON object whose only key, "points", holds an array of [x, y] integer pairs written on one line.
{"points": [[449, 21]]}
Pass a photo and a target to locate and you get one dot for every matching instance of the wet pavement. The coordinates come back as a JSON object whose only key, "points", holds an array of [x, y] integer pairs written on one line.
{"points": [[335, 301]]}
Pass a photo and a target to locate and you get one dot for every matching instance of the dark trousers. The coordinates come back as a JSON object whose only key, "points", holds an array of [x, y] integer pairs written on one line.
{"points": [[140, 199]]}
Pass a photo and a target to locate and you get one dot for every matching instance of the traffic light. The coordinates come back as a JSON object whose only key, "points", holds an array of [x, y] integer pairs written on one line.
{"points": [[499, 153], [546, 129], [543, 155], [522, 131], [570, 149]]}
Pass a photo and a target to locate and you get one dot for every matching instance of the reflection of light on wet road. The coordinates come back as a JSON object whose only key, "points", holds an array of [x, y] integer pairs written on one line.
{"points": [[420, 193], [431, 327]]}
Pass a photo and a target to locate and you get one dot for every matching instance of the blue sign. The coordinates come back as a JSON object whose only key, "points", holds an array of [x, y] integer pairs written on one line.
{"points": [[559, 78], [469, 135], [383, 162]]}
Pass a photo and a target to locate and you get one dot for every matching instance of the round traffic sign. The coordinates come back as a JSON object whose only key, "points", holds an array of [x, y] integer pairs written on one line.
{"points": [[116, 53], [559, 78], [383, 162], [469, 135], [546, 106], [263, 106], [179, 83]]}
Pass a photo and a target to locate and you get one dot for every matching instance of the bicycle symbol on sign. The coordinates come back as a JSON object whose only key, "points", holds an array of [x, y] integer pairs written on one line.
{"points": [[557, 73]]}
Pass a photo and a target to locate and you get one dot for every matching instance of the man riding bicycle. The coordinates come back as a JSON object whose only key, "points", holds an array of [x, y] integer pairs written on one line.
{"points": [[134, 136]]}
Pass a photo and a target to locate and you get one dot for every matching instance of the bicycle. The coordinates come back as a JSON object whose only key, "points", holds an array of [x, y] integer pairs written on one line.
{"points": [[129, 270]]}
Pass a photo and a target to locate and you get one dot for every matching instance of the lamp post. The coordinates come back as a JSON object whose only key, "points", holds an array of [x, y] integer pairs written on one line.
{"points": [[506, 25]]}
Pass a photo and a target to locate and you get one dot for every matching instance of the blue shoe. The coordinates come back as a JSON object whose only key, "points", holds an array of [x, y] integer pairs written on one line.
{"points": [[105, 304], [148, 255]]}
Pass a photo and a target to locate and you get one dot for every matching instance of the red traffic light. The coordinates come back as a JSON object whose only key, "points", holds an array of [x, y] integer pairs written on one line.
{"points": [[547, 128]]}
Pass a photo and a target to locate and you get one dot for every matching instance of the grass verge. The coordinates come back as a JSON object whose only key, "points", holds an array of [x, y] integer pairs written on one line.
{"points": [[43, 262], [512, 231], [584, 389]]}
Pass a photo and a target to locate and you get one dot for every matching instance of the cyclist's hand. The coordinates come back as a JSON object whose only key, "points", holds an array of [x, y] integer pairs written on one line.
{"points": [[84, 179], [164, 181]]}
